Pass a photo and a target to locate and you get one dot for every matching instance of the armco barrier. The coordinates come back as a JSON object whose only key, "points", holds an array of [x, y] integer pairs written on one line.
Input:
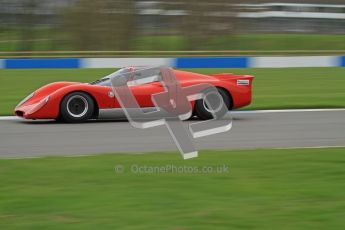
{"points": [[185, 62], [212, 62], [300, 61], [342, 61], [41, 63]]}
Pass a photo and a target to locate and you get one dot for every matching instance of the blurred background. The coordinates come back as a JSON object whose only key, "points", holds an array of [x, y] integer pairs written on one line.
{"points": [[290, 188], [130, 26]]}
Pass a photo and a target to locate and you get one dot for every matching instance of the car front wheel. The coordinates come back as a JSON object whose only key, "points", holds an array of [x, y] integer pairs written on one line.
{"points": [[76, 107]]}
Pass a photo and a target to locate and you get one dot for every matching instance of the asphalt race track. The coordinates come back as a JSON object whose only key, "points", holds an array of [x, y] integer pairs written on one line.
{"points": [[257, 129]]}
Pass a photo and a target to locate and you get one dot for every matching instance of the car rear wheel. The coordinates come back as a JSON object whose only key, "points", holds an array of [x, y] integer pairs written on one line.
{"points": [[76, 107], [201, 109]]}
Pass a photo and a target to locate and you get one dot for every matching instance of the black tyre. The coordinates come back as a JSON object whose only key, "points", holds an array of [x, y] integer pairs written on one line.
{"points": [[201, 109], [76, 107]]}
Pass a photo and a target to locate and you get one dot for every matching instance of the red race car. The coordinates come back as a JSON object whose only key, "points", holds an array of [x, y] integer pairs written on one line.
{"points": [[78, 102]]}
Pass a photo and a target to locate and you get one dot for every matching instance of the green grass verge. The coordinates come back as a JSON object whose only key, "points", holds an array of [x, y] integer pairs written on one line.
{"points": [[259, 42], [265, 189], [47, 39], [273, 88]]}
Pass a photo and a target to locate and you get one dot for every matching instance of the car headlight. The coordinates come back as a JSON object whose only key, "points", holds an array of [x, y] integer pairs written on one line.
{"points": [[45, 100], [39, 105], [26, 99]]}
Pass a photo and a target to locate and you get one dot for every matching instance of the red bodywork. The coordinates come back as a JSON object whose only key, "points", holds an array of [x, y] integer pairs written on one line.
{"points": [[46, 100]]}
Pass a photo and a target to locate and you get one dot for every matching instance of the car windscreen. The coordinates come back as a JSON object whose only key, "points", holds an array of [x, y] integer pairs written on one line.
{"points": [[105, 81]]}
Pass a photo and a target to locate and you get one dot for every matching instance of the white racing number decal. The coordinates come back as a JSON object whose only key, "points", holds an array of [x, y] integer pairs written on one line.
{"points": [[243, 82]]}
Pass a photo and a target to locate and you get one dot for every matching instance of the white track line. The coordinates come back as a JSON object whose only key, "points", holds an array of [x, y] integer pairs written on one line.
{"points": [[288, 110], [10, 118], [313, 147], [96, 154]]}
